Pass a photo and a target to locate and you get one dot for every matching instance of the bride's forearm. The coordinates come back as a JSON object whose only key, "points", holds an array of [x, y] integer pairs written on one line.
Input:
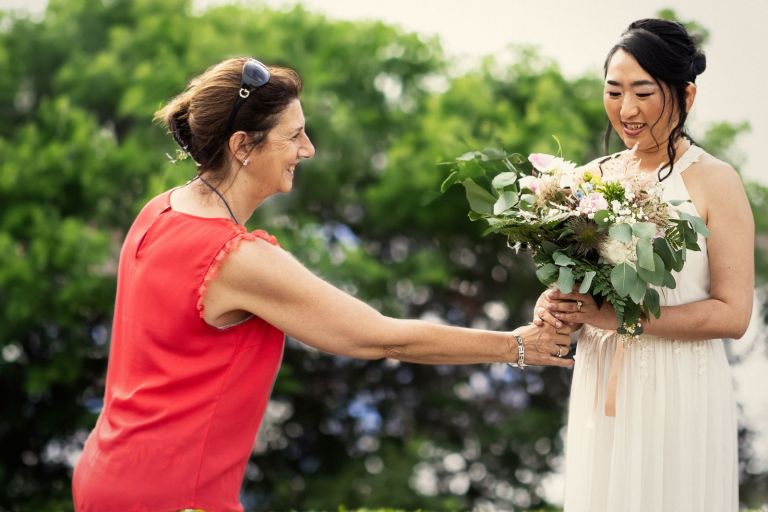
{"points": [[701, 320]]}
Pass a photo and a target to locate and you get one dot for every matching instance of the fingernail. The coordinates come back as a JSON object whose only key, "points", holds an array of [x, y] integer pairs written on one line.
{"points": [[558, 324]]}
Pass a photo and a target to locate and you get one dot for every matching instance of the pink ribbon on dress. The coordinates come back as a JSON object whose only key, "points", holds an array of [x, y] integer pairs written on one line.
{"points": [[613, 378]]}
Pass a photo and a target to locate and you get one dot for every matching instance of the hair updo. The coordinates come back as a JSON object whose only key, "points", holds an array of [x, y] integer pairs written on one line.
{"points": [[667, 52], [198, 117]]}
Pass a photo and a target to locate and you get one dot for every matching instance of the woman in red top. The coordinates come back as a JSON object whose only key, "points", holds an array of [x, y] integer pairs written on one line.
{"points": [[202, 307]]}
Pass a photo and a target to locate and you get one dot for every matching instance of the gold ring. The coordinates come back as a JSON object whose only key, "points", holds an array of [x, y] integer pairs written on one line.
{"points": [[578, 305]]}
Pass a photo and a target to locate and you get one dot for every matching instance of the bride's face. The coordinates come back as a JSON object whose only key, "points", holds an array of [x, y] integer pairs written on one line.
{"points": [[641, 111]]}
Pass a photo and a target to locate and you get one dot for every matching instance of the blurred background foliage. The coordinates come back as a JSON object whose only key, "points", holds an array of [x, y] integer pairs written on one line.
{"points": [[79, 156]]}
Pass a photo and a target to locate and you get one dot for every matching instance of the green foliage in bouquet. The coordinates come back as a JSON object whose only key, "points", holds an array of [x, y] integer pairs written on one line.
{"points": [[603, 227]]}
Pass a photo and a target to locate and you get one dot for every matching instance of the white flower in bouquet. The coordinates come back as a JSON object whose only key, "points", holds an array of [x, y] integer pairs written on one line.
{"points": [[615, 252]]}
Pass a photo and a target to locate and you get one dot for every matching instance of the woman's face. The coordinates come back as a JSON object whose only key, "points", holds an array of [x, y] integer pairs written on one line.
{"points": [[287, 143], [638, 108]]}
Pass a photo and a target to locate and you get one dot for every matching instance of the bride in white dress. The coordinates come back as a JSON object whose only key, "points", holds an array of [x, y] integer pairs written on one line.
{"points": [[663, 438]]}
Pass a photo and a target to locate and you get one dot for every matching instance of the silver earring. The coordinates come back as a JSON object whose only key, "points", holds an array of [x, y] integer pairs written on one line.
{"points": [[245, 162]]}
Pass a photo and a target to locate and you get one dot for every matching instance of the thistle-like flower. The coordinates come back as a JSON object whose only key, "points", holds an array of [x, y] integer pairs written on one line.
{"points": [[587, 235]]}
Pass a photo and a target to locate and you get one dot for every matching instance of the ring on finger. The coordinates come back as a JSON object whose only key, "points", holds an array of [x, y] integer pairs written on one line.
{"points": [[578, 305], [559, 351]]}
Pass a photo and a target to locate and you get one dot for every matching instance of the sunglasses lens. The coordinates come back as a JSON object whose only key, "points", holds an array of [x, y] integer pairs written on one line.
{"points": [[255, 74]]}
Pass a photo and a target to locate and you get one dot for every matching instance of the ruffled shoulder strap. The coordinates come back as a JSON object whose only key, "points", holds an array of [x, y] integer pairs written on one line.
{"points": [[229, 246]]}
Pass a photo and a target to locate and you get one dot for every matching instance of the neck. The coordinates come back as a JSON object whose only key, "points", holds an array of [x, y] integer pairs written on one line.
{"points": [[226, 198], [221, 197], [656, 157]]}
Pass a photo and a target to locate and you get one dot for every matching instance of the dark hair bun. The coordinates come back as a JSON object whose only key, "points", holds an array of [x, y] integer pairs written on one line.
{"points": [[699, 64]]}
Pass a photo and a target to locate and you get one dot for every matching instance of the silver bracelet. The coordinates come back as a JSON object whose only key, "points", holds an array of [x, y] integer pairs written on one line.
{"points": [[520, 354]]}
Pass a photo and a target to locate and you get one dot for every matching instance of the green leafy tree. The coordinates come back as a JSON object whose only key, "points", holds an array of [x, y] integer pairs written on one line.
{"points": [[79, 157]]}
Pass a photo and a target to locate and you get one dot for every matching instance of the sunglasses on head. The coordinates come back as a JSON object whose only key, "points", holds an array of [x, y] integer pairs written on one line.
{"points": [[255, 74]]}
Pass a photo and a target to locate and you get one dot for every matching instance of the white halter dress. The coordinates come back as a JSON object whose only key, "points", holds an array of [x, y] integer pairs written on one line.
{"points": [[672, 446]]}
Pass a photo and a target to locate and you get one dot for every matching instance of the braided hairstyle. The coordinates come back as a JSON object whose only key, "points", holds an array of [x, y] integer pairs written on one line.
{"points": [[667, 52]]}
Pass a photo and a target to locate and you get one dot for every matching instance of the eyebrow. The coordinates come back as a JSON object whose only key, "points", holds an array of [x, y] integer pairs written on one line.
{"points": [[636, 83]]}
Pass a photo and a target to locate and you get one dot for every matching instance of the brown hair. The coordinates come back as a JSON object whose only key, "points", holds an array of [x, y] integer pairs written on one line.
{"points": [[198, 117]]}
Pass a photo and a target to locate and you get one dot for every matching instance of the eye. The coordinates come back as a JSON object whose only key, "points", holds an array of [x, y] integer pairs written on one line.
{"points": [[644, 94], [613, 94]]}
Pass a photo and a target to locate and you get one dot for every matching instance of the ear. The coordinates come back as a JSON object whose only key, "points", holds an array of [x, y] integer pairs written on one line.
{"points": [[237, 145], [690, 96]]}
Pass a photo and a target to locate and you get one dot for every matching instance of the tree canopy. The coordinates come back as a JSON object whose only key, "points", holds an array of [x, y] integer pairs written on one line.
{"points": [[79, 156]]}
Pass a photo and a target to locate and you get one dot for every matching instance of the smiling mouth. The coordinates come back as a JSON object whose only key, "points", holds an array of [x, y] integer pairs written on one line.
{"points": [[633, 127]]}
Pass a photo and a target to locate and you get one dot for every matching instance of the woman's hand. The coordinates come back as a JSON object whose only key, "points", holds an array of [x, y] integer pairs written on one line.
{"points": [[544, 345], [543, 315], [576, 308]]}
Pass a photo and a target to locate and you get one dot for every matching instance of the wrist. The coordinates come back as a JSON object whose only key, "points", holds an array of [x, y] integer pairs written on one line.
{"points": [[517, 351]]}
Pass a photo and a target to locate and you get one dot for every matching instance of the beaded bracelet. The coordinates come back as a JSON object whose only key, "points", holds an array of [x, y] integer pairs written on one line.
{"points": [[520, 354]]}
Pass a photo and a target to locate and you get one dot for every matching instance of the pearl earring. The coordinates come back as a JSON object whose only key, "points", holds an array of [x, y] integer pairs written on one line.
{"points": [[245, 162]]}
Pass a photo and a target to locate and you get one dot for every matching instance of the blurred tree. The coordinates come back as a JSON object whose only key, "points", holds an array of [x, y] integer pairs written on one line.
{"points": [[79, 157]]}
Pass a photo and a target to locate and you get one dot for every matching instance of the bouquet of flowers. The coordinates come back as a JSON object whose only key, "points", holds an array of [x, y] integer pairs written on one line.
{"points": [[604, 226]]}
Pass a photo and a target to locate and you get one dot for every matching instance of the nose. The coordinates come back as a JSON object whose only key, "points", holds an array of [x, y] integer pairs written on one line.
{"points": [[628, 106], [307, 149]]}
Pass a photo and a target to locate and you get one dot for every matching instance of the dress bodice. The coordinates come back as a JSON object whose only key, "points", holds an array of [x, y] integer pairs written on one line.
{"points": [[693, 280]]}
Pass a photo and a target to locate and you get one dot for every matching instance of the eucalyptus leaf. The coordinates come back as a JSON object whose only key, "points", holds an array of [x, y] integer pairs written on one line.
{"points": [[655, 277], [669, 281], [623, 278], [562, 260], [662, 248], [548, 247], [450, 181], [505, 201], [691, 239], [528, 198], [644, 230], [652, 302], [621, 232], [644, 251], [601, 217], [587, 281], [638, 291], [480, 200], [696, 222], [473, 216], [493, 154], [565, 280], [469, 155], [503, 180], [546, 272]]}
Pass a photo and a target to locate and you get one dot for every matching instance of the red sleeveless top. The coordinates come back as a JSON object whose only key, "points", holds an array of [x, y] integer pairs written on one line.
{"points": [[183, 399]]}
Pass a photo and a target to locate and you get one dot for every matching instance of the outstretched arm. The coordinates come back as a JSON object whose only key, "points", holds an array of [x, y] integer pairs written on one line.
{"points": [[270, 283]]}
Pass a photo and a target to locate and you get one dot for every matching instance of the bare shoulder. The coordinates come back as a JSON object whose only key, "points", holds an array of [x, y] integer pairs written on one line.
{"points": [[711, 175], [256, 257]]}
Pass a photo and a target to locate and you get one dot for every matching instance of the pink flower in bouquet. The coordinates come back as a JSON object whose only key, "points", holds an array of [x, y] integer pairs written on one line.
{"points": [[532, 183], [592, 202], [541, 161]]}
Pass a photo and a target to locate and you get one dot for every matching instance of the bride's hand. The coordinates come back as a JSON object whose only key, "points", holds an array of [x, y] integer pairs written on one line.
{"points": [[543, 315], [579, 308]]}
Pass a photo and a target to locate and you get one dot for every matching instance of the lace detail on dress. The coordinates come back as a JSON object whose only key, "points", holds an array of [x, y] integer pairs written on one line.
{"points": [[232, 244]]}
